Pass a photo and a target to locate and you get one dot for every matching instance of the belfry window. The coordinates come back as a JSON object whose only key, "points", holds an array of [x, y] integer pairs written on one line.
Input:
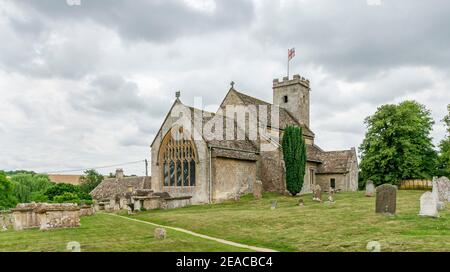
{"points": [[285, 99], [178, 160]]}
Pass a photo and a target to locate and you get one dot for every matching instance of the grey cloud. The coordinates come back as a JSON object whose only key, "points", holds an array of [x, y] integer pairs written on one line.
{"points": [[355, 40], [155, 21]]}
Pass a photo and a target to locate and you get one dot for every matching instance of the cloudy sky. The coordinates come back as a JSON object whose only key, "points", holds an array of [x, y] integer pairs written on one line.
{"points": [[86, 86]]}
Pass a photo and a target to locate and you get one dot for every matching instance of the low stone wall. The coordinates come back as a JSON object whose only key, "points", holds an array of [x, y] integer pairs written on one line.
{"points": [[46, 216], [87, 210], [175, 202], [6, 219]]}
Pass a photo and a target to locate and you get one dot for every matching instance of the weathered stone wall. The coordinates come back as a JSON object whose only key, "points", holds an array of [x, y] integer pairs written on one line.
{"points": [[307, 182], [6, 218], [199, 192], [46, 216], [87, 210], [232, 177], [152, 203], [297, 91], [25, 216], [272, 171], [324, 180], [59, 216], [176, 202]]}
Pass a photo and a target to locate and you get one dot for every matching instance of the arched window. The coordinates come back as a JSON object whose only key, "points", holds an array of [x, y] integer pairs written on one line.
{"points": [[177, 156]]}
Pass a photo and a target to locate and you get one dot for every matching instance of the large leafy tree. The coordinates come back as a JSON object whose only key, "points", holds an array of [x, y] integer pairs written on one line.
{"points": [[90, 180], [398, 144], [30, 187], [444, 149], [7, 199], [294, 152], [62, 188]]}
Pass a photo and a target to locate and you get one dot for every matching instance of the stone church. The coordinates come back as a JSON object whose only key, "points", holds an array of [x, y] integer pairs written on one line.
{"points": [[192, 156]]}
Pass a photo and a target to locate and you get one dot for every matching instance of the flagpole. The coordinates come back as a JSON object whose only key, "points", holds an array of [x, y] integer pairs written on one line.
{"points": [[288, 65]]}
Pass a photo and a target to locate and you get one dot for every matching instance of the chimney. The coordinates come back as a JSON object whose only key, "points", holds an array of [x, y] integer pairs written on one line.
{"points": [[119, 173]]}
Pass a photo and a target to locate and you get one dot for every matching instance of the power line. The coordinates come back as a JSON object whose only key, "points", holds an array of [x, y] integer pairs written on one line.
{"points": [[96, 168]]}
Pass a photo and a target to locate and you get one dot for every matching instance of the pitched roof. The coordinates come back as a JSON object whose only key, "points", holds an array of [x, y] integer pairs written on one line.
{"points": [[285, 118], [244, 144], [336, 161], [113, 187]]}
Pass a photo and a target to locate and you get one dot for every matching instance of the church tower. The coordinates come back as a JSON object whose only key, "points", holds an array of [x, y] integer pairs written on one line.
{"points": [[293, 95]]}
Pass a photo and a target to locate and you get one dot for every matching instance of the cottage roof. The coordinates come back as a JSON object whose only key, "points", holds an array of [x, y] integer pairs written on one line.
{"points": [[336, 161], [112, 187]]}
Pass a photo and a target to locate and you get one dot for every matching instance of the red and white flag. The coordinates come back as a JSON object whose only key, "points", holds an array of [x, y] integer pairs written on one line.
{"points": [[291, 53]]}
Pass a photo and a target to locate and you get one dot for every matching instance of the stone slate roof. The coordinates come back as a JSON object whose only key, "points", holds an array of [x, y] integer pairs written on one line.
{"points": [[113, 187], [336, 161], [285, 117], [244, 144]]}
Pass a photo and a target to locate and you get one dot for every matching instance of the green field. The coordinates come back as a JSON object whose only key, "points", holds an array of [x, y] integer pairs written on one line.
{"points": [[347, 225], [106, 233]]}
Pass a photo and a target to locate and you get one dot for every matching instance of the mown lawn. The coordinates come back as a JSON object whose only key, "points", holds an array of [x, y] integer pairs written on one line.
{"points": [[347, 225], [106, 233]]}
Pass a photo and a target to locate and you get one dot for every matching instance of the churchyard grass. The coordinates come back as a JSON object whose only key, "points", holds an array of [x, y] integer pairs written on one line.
{"points": [[105, 233], [347, 225]]}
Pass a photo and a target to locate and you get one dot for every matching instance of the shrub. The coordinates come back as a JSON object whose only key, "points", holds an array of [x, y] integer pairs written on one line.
{"points": [[67, 198], [294, 152]]}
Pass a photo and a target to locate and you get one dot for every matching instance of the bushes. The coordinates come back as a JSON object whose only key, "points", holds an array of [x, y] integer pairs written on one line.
{"points": [[67, 198], [60, 190]]}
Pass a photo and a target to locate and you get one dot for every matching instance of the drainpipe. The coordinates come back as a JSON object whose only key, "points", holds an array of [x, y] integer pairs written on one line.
{"points": [[210, 175]]}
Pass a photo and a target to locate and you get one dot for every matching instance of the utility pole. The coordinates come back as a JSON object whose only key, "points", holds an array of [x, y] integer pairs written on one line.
{"points": [[146, 168]]}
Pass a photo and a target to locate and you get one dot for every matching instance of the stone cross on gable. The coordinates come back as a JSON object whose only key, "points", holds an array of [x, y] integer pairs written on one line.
{"points": [[177, 94], [232, 84]]}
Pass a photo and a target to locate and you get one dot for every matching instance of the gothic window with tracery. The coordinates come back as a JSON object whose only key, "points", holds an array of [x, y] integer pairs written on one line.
{"points": [[178, 160]]}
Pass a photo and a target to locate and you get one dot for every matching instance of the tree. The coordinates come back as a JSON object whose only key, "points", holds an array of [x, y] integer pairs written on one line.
{"points": [[294, 152], [90, 180], [27, 184], [61, 188], [397, 144], [7, 199], [444, 149]]}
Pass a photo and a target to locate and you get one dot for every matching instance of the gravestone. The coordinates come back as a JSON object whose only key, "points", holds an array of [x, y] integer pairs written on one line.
{"points": [[257, 189], [317, 193], [386, 199], [160, 234], [428, 205], [274, 204], [441, 187], [331, 195], [301, 202], [370, 188]]}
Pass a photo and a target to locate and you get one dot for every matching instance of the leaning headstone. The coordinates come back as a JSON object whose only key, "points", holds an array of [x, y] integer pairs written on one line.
{"points": [[160, 234], [274, 205], [428, 206], [370, 188], [257, 189], [386, 199], [317, 193]]}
